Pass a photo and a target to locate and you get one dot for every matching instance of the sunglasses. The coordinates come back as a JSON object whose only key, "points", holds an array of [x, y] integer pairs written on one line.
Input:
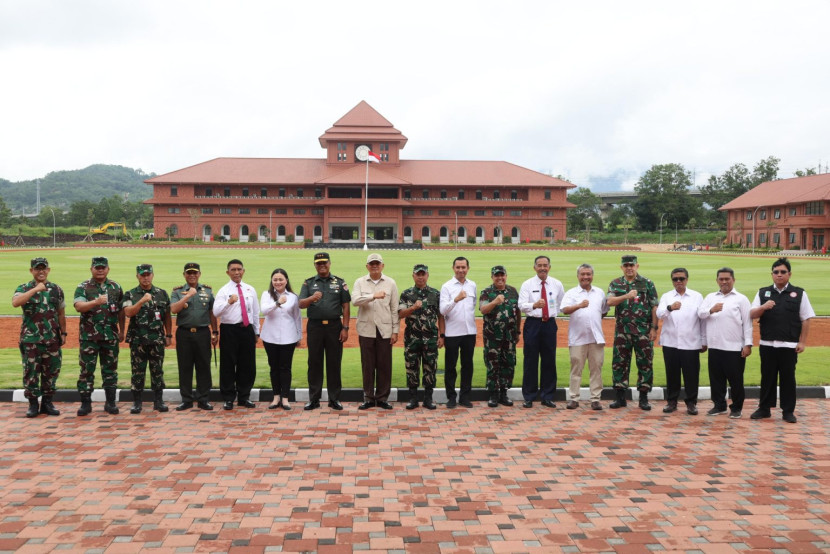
{"points": [[780, 272], [678, 279]]}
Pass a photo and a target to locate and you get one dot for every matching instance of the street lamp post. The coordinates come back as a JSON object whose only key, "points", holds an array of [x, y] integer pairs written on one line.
{"points": [[753, 227], [456, 230], [53, 227]]}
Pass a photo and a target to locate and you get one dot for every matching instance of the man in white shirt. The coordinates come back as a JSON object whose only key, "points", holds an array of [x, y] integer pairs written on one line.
{"points": [[378, 325], [457, 305], [683, 338], [237, 307], [785, 322], [586, 305], [729, 338], [540, 298]]}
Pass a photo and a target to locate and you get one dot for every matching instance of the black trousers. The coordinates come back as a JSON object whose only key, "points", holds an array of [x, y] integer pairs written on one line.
{"points": [[376, 362], [465, 344], [778, 366], [539, 344], [686, 363], [280, 357], [727, 366], [193, 350], [237, 362], [324, 347]]}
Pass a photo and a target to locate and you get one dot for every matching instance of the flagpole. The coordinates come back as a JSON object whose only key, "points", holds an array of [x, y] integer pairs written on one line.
{"points": [[366, 209]]}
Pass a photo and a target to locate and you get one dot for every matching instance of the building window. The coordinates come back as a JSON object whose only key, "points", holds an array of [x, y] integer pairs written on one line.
{"points": [[547, 213], [479, 232], [425, 193], [814, 208], [318, 231], [407, 195], [299, 211], [479, 213], [227, 192], [174, 190], [317, 211], [318, 193], [496, 195], [280, 211], [174, 230], [426, 212], [547, 195], [461, 213], [299, 193], [498, 213], [243, 231], [792, 238], [225, 211], [749, 238], [425, 233], [207, 210], [443, 212], [408, 212], [341, 151], [173, 210], [208, 191], [514, 195], [461, 195], [792, 210], [748, 215], [776, 238], [776, 214], [442, 232], [478, 195], [762, 237], [207, 231], [548, 232], [443, 194], [244, 211], [763, 214], [226, 230], [281, 231], [407, 232], [515, 233], [462, 233], [263, 192], [516, 213], [262, 211], [245, 192], [282, 193], [299, 231]]}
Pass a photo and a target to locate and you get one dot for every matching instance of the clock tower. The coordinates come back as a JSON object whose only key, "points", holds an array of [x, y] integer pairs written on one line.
{"points": [[362, 130]]}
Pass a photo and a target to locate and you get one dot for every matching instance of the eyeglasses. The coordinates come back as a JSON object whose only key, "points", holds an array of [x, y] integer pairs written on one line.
{"points": [[678, 279], [780, 272]]}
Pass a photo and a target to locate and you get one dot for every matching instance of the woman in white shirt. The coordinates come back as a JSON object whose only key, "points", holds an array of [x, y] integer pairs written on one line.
{"points": [[280, 333]]}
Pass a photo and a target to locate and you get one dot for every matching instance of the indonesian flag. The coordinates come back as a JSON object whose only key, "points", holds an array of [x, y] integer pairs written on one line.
{"points": [[374, 158]]}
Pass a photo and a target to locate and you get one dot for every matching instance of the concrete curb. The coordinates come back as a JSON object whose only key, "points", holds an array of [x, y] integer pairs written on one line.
{"points": [[402, 395]]}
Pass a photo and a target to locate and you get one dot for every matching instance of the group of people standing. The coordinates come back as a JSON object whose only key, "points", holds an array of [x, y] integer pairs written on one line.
{"points": [[434, 319]]}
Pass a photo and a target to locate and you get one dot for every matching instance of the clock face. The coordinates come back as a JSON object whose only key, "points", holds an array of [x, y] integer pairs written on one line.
{"points": [[361, 152]]}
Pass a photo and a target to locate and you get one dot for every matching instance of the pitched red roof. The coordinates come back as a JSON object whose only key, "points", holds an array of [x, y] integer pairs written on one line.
{"points": [[363, 122], [782, 192]]}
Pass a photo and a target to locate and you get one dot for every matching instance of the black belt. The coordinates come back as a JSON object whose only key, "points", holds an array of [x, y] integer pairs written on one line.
{"points": [[326, 321], [191, 329]]}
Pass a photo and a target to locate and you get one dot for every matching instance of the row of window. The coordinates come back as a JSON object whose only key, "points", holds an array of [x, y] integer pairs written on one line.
{"points": [[319, 211], [299, 231], [347, 193], [810, 208], [246, 211]]}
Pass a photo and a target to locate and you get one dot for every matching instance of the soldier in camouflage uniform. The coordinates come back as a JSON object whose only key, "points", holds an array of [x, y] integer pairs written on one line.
{"points": [[423, 336], [42, 334], [499, 304], [98, 300], [635, 298], [148, 308]]}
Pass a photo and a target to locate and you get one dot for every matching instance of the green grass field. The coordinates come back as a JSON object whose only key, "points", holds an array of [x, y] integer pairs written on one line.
{"points": [[71, 266]]}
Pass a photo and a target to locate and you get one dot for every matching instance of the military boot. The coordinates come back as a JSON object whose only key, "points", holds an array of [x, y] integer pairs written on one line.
{"points": [[86, 405], [620, 402], [158, 401], [413, 398], [644, 405], [503, 399], [493, 402], [110, 406], [46, 406], [136, 409], [34, 408], [428, 403]]}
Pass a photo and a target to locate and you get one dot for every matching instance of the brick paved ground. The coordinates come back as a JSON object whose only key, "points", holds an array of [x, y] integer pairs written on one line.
{"points": [[481, 480]]}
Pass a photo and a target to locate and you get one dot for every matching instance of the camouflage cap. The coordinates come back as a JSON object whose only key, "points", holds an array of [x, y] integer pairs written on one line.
{"points": [[100, 261], [321, 257], [419, 268], [144, 269], [629, 259], [498, 269], [39, 261], [192, 266]]}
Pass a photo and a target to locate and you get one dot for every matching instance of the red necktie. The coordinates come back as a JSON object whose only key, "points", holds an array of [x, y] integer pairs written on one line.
{"points": [[545, 312], [245, 321]]}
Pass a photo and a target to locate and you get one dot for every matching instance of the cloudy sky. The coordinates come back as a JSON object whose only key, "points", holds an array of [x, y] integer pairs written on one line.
{"points": [[594, 91]]}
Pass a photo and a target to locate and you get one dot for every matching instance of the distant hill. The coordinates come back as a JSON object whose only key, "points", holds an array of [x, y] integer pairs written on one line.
{"points": [[62, 188]]}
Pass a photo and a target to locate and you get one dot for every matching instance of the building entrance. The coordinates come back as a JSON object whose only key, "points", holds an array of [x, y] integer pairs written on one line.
{"points": [[344, 232], [380, 233]]}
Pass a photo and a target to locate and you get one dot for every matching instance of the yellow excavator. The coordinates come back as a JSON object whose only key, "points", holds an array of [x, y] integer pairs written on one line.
{"points": [[104, 229]]}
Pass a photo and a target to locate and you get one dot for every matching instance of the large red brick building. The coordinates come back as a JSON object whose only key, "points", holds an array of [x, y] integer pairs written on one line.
{"points": [[323, 200], [786, 214]]}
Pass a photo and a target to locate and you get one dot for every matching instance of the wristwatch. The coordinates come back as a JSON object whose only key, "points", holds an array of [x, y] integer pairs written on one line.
{"points": [[442, 335], [669, 307]]}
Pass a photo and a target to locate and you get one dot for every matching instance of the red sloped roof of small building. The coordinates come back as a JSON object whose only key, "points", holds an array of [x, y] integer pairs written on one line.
{"points": [[363, 122], [782, 192], [303, 171]]}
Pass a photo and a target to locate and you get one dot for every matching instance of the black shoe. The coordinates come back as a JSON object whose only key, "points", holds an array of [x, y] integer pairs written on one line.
{"points": [[313, 405], [136, 409], [503, 399], [527, 404], [205, 405], [185, 406], [760, 414], [493, 401], [246, 404], [691, 409], [228, 405], [110, 406], [413, 403], [670, 408], [429, 404], [789, 417], [46, 406], [465, 403], [335, 405], [451, 403], [383, 404], [158, 401], [620, 402], [366, 405], [285, 406], [86, 405], [548, 404], [643, 403], [34, 408]]}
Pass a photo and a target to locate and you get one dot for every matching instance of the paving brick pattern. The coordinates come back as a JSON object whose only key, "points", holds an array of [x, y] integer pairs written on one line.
{"points": [[476, 481]]}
